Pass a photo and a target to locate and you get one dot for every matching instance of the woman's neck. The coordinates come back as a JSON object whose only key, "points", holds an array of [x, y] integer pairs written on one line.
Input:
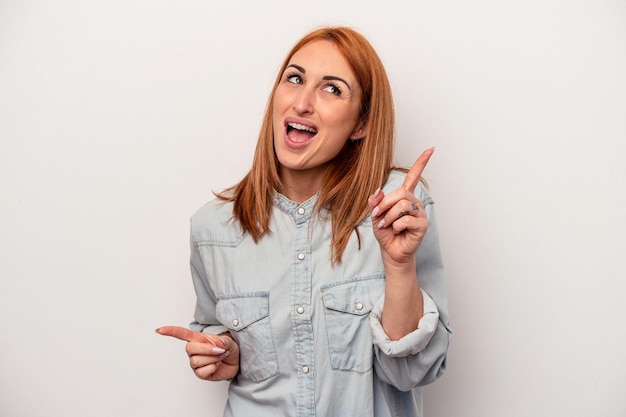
{"points": [[299, 186]]}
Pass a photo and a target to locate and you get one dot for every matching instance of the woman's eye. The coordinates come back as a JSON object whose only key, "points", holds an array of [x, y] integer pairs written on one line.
{"points": [[333, 89], [294, 79]]}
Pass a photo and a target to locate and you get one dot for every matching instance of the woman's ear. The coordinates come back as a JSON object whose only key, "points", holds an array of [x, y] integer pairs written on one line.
{"points": [[360, 131]]}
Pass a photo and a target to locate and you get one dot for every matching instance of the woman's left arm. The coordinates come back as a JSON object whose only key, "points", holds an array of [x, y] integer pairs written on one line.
{"points": [[400, 224], [410, 325]]}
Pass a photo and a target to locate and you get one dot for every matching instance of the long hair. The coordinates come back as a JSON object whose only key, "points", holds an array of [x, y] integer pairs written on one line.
{"points": [[357, 171]]}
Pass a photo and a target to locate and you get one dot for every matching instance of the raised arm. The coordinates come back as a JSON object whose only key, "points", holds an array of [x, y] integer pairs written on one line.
{"points": [[400, 224]]}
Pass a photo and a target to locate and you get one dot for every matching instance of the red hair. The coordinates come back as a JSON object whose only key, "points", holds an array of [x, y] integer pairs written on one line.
{"points": [[361, 167]]}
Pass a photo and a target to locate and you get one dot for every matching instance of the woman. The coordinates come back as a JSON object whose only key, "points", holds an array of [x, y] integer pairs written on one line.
{"points": [[318, 277]]}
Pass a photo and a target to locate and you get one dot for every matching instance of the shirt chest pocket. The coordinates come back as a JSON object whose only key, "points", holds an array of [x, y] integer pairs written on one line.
{"points": [[247, 318], [346, 310]]}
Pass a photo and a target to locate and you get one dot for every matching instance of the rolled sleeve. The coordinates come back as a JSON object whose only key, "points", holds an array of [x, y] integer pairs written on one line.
{"points": [[216, 329], [412, 343]]}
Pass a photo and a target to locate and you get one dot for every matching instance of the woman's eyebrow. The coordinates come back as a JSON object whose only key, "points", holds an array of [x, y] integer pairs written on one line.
{"points": [[334, 78], [326, 77], [298, 67]]}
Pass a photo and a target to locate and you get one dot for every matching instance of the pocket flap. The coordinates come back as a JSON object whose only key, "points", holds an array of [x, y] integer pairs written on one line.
{"points": [[239, 311], [357, 297]]}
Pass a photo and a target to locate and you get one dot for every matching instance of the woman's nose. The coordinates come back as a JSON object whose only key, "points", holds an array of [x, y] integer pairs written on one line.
{"points": [[303, 102]]}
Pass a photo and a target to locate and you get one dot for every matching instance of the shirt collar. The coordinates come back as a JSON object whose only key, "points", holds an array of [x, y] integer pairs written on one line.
{"points": [[295, 209]]}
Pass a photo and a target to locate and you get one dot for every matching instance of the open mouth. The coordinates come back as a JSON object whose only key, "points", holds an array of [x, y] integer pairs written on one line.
{"points": [[300, 133]]}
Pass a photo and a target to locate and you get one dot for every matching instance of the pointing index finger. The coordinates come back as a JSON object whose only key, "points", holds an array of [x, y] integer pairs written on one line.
{"points": [[415, 173], [180, 333]]}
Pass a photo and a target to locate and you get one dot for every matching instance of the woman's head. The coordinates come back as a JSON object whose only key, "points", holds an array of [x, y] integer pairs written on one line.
{"points": [[360, 166], [357, 52], [315, 110], [372, 130]]}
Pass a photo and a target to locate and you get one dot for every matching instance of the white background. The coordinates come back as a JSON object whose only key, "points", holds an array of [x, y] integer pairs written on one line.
{"points": [[118, 119]]}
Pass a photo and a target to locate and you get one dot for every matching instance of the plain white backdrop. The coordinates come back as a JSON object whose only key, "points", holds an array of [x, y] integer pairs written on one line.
{"points": [[118, 119]]}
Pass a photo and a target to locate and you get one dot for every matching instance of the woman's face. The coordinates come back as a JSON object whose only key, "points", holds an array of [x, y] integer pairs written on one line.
{"points": [[316, 108]]}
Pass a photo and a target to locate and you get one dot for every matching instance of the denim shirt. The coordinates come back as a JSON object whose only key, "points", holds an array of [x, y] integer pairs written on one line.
{"points": [[309, 332]]}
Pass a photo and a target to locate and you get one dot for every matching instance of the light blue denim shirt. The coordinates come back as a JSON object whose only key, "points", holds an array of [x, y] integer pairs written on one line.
{"points": [[309, 332]]}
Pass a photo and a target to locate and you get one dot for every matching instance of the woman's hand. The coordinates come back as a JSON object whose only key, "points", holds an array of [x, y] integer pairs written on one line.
{"points": [[399, 219], [400, 224], [212, 357]]}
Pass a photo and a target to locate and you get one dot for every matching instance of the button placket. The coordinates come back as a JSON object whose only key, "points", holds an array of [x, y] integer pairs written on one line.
{"points": [[300, 301]]}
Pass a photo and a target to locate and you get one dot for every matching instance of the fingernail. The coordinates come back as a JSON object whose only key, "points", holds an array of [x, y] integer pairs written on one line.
{"points": [[381, 224], [217, 350], [376, 192], [225, 354], [375, 211]]}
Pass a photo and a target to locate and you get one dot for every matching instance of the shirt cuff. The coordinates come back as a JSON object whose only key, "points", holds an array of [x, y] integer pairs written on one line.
{"points": [[212, 329], [413, 342]]}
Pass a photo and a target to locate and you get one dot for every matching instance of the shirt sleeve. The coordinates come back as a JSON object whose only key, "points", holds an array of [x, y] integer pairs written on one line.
{"points": [[412, 343], [205, 320], [418, 358]]}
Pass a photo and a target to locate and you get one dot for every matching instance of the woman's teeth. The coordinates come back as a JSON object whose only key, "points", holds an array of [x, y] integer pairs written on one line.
{"points": [[300, 127]]}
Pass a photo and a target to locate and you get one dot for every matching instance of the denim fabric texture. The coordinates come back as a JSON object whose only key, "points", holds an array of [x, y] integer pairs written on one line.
{"points": [[309, 332]]}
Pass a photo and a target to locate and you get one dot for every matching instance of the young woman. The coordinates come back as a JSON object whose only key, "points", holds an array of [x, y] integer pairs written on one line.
{"points": [[319, 279]]}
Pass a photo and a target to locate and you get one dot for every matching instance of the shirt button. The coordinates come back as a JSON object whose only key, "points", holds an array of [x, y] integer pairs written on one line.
{"points": [[301, 256], [235, 323], [300, 310], [305, 369], [301, 210], [359, 306]]}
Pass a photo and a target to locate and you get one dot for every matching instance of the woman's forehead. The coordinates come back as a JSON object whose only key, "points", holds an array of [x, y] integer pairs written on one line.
{"points": [[323, 58], [321, 54]]}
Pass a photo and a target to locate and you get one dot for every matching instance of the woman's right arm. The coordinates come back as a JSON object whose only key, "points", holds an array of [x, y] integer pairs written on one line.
{"points": [[213, 354], [211, 357]]}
